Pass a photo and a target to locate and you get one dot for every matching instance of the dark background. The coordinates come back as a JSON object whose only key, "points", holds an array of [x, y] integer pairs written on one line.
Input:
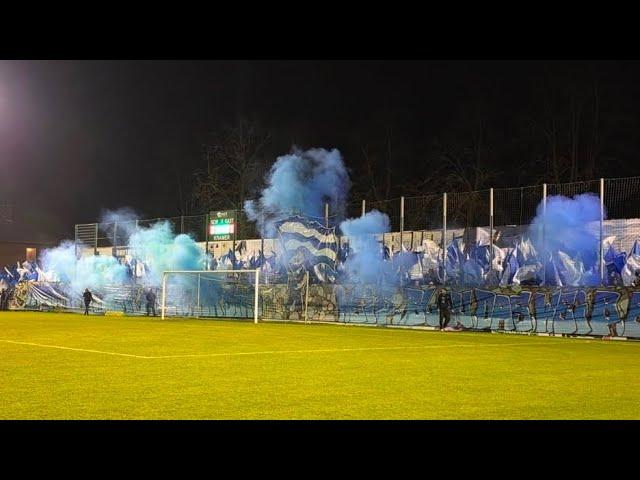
{"points": [[80, 136]]}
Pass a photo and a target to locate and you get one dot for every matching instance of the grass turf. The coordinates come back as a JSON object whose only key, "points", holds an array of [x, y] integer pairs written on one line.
{"points": [[66, 366]]}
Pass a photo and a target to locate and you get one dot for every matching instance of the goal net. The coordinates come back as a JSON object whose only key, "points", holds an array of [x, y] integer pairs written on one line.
{"points": [[215, 294], [247, 294]]}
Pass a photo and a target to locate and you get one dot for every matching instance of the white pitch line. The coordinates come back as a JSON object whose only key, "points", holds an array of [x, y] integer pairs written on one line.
{"points": [[276, 352], [333, 350], [75, 349]]}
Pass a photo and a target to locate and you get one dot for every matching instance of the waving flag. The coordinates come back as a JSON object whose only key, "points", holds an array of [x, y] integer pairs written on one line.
{"points": [[510, 267], [631, 271], [552, 277], [455, 259], [307, 241], [571, 271]]}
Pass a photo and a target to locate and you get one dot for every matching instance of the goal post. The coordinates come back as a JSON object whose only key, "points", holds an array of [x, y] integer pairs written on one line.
{"points": [[211, 293]]}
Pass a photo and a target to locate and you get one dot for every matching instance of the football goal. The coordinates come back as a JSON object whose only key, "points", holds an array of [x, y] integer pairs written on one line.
{"points": [[215, 294], [231, 294]]}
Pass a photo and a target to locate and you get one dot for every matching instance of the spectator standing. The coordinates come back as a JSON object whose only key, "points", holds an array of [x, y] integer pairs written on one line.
{"points": [[88, 298], [151, 302], [445, 304]]}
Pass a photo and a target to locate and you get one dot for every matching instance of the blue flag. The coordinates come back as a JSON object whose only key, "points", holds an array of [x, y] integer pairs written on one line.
{"points": [[307, 241]]}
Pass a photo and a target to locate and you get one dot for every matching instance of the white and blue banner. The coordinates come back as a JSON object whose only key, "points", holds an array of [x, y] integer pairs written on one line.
{"points": [[308, 242]]}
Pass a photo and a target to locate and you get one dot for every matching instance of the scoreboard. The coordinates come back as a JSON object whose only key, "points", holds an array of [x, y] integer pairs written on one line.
{"points": [[222, 225]]}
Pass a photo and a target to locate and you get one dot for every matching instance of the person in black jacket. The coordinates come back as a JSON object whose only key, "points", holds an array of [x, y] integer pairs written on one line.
{"points": [[88, 298], [445, 304], [151, 302]]}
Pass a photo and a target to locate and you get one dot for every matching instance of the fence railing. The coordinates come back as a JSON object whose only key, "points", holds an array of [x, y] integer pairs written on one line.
{"points": [[441, 216]]}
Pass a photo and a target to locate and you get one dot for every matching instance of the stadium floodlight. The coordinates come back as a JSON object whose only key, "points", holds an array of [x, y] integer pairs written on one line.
{"points": [[210, 293]]}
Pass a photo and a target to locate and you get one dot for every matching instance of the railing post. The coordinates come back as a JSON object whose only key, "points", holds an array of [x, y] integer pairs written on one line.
{"points": [[262, 242], [602, 269], [544, 233], [444, 237], [401, 222], [199, 310], [363, 208], [206, 234], [164, 295], [326, 215], [255, 303], [306, 299], [115, 238], [491, 229]]}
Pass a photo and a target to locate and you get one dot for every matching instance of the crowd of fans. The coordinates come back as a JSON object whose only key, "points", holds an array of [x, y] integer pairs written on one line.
{"points": [[10, 276], [422, 266]]}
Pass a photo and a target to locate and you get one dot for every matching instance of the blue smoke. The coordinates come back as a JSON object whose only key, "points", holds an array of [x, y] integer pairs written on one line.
{"points": [[162, 250], [124, 217], [92, 271], [571, 226], [157, 247], [365, 262], [301, 183]]}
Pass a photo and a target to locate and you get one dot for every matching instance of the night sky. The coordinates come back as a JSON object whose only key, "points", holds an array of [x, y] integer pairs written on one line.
{"points": [[80, 136]]}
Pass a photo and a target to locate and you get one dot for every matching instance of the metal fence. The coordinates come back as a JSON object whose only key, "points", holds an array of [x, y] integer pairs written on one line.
{"points": [[448, 216]]}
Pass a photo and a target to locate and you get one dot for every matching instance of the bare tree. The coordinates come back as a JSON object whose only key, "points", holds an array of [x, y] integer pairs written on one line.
{"points": [[234, 160], [566, 134], [377, 169]]}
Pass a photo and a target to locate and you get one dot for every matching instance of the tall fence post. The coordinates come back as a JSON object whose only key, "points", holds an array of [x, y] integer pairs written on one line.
{"points": [[444, 237], [164, 294], [326, 215], [401, 222], [206, 236], [363, 208], [491, 229], [181, 223], [262, 242], [115, 239], [95, 243], [544, 234], [199, 310], [233, 245], [602, 231]]}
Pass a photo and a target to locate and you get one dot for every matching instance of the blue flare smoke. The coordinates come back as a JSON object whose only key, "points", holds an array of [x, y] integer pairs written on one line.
{"points": [[157, 246], [571, 226], [301, 183], [365, 262]]}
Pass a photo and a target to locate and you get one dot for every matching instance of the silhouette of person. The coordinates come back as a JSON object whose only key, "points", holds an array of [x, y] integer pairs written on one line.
{"points": [[445, 304], [151, 302], [88, 298]]}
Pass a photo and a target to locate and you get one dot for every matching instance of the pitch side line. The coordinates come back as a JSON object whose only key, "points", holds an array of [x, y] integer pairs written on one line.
{"points": [[333, 350], [273, 352], [75, 349]]}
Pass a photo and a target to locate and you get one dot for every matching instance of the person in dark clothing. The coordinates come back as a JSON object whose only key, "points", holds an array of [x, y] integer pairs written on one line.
{"points": [[88, 298], [151, 302], [3, 299], [445, 304]]}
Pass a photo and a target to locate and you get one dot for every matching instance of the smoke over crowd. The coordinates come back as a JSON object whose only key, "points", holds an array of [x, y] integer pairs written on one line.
{"points": [[155, 249], [301, 183], [561, 246]]}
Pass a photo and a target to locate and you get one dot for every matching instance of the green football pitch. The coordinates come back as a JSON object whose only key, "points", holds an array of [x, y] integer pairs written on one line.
{"points": [[66, 366]]}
